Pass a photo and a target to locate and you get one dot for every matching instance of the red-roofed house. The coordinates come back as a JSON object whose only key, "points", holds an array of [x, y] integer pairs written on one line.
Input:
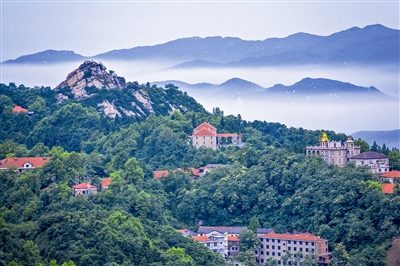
{"points": [[388, 188], [23, 163], [160, 174], [206, 135], [105, 183], [19, 109], [233, 246], [276, 245], [390, 176], [84, 189]]}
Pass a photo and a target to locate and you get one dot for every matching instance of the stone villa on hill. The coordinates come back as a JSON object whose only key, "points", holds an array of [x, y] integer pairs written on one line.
{"points": [[334, 152], [205, 135]]}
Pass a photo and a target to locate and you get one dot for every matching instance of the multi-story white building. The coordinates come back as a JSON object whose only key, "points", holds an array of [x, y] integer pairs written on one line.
{"points": [[206, 135], [278, 245], [376, 162], [334, 152]]}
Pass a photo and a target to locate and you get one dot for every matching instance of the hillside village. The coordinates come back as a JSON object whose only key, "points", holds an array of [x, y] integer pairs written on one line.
{"points": [[181, 183], [225, 240]]}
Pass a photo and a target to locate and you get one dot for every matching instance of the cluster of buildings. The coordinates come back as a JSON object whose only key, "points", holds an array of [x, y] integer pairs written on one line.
{"points": [[334, 152], [225, 241], [205, 135]]}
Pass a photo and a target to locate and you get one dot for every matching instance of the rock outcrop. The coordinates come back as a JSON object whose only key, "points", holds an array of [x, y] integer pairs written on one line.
{"points": [[93, 86], [91, 74]]}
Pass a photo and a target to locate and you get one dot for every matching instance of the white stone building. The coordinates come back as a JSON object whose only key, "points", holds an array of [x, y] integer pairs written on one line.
{"points": [[334, 152]]}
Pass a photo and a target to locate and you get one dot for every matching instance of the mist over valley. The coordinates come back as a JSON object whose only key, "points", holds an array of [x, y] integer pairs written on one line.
{"points": [[347, 81]]}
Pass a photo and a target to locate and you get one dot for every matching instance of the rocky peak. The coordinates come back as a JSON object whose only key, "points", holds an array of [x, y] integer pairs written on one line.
{"points": [[91, 74]]}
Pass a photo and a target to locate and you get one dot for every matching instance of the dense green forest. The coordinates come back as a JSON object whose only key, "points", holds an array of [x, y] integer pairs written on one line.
{"points": [[134, 222]]}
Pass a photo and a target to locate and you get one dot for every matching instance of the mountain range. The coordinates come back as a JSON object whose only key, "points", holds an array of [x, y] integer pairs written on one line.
{"points": [[307, 89], [373, 44], [391, 138]]}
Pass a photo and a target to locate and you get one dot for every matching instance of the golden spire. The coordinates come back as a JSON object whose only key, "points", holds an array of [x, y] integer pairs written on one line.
{"points": [[324, 137]]}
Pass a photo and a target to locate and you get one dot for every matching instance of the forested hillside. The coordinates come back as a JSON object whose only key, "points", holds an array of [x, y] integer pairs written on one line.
{"points": [[134, 221]]}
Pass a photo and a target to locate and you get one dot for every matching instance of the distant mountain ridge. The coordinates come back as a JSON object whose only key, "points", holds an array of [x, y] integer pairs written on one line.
{"points": [[373, 44], [306, 89], [391, 138]]}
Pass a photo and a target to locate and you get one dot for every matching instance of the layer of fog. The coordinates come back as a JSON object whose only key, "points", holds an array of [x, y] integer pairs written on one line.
{"points": [[346, 118]]}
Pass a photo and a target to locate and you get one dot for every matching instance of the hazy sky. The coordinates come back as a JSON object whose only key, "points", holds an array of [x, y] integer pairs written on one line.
{"points": [[93, 27]]}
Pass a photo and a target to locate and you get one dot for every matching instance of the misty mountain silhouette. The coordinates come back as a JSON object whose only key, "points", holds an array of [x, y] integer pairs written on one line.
{"points": [[306, 88], [320, 86], [374, 44]]}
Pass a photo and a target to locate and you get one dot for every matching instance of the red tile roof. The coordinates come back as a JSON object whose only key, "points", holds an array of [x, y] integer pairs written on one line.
{"points": [[20, 162], [196, 172], [204, 125], [233, 238], [105, 182], [201, 238], [300, 237], [391, 174], [388, 188], [83, 186], [204, 132], [230, 135], [19, 109], [160, 174]]}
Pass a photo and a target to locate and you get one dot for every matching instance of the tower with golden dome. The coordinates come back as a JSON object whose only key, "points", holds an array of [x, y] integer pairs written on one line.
{"points": [[334, 152]]}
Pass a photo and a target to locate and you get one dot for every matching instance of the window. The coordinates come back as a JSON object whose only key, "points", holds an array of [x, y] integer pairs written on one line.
{"points": [[273, 240], [256, 251], [288, 241], [261, 239], [279, 247], [267, 253], [262, 252], [306, 243], [204, 137], [301, 243], [267, 246], [262, 246], [273, 253], [288, 248], [279, 241], [295, 249], [301, 249], [306, 249], [273, 247], [312, 243], [267, 240], [294, 242], [312, 250], [262, 260], [279, 254]]}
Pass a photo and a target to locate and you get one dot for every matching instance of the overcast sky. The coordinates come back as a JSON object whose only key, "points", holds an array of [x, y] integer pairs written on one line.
{"points": [[93, 27]]}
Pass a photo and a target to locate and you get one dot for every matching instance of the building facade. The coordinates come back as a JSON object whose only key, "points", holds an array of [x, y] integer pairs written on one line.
{"points": [[205, 135], [83, 189], [334, 152], [23, 163], [376, 162], [299, 245]]}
